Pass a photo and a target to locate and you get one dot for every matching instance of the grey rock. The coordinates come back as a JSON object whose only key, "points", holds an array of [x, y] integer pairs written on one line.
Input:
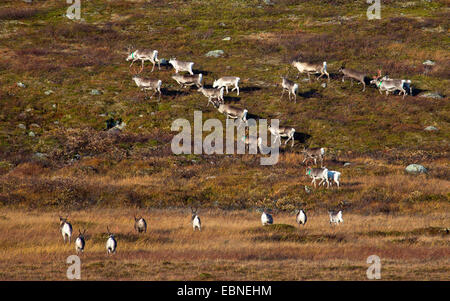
{"points": [[347, 163], [48, 92], [431, 128], [433, 95], [226, 39], [22, 126], [35, 125], [415, 169], [324, 85], [31, 134], [40, 155], [96, 92], [429, 63], [22, 85], [215, 53]]}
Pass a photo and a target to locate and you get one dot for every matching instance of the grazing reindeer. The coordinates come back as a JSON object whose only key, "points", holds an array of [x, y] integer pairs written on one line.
{"points": [[334, 176], [212, 94], [301, 217], [80, 242], [144, 55], [318, 173], [189, 80], [140, 225], [314, 154], [390, 85], [227, 81], [195, 219], [309, 68], [283, 131], [291, 87], [148, 84], [335, 218], [181, 66], [111, 243], [66, 228], [353, 74], [266, 218], [233, 112]]}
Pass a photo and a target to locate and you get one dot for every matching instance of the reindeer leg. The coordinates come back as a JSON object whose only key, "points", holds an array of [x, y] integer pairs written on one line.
{"points": [[282, 93], [364, 86], [153, 67], [142, 66]]}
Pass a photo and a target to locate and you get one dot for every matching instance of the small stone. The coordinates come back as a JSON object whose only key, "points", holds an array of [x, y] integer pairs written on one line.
{"points": [[215, 53], [415, 169], [433, 95], [96, 92], [35, 125], [31, 134], [28, 110], [347, 163], [429, 63], [54, 106], [48, 92], [222, 24], [431, 128], [226, 39], [324, 85], [22, 85], [40, 155], [22, 126]]}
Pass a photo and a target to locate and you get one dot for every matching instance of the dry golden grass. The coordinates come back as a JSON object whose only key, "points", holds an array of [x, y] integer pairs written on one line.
{"points": [[232, 246]]}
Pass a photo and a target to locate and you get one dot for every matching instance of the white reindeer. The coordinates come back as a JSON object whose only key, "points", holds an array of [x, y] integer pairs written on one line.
{"points": [[283, 131], [266, 218], [140, 225], [318, 174], [390, 85], [66, 228], [309, 68], [144, 55], [227, 81], [181, 66], [195, 219], [335, 218], [334, 176], [289, 86], [213, 94], [111, 243], [300, 217], [80, 241], [148, 84]]}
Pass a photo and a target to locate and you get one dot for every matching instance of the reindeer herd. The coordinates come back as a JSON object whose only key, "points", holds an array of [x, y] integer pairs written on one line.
{"points": [[215, 96]]}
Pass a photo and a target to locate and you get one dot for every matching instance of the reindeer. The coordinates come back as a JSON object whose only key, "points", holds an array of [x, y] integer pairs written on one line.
{"points": [[80, 241], [148, 84], [66, 228], [283, 131], [189, 80], [353, 74], [335, 217], [140, 225], [233, 112], [227, 81], [212, 94], [111, 243], [318, 173], [314, 154], [390, 85], [290, 86], [266, 218], [310, 68], [181, 66], [143, 55], [195, 219], [300, 217]]}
